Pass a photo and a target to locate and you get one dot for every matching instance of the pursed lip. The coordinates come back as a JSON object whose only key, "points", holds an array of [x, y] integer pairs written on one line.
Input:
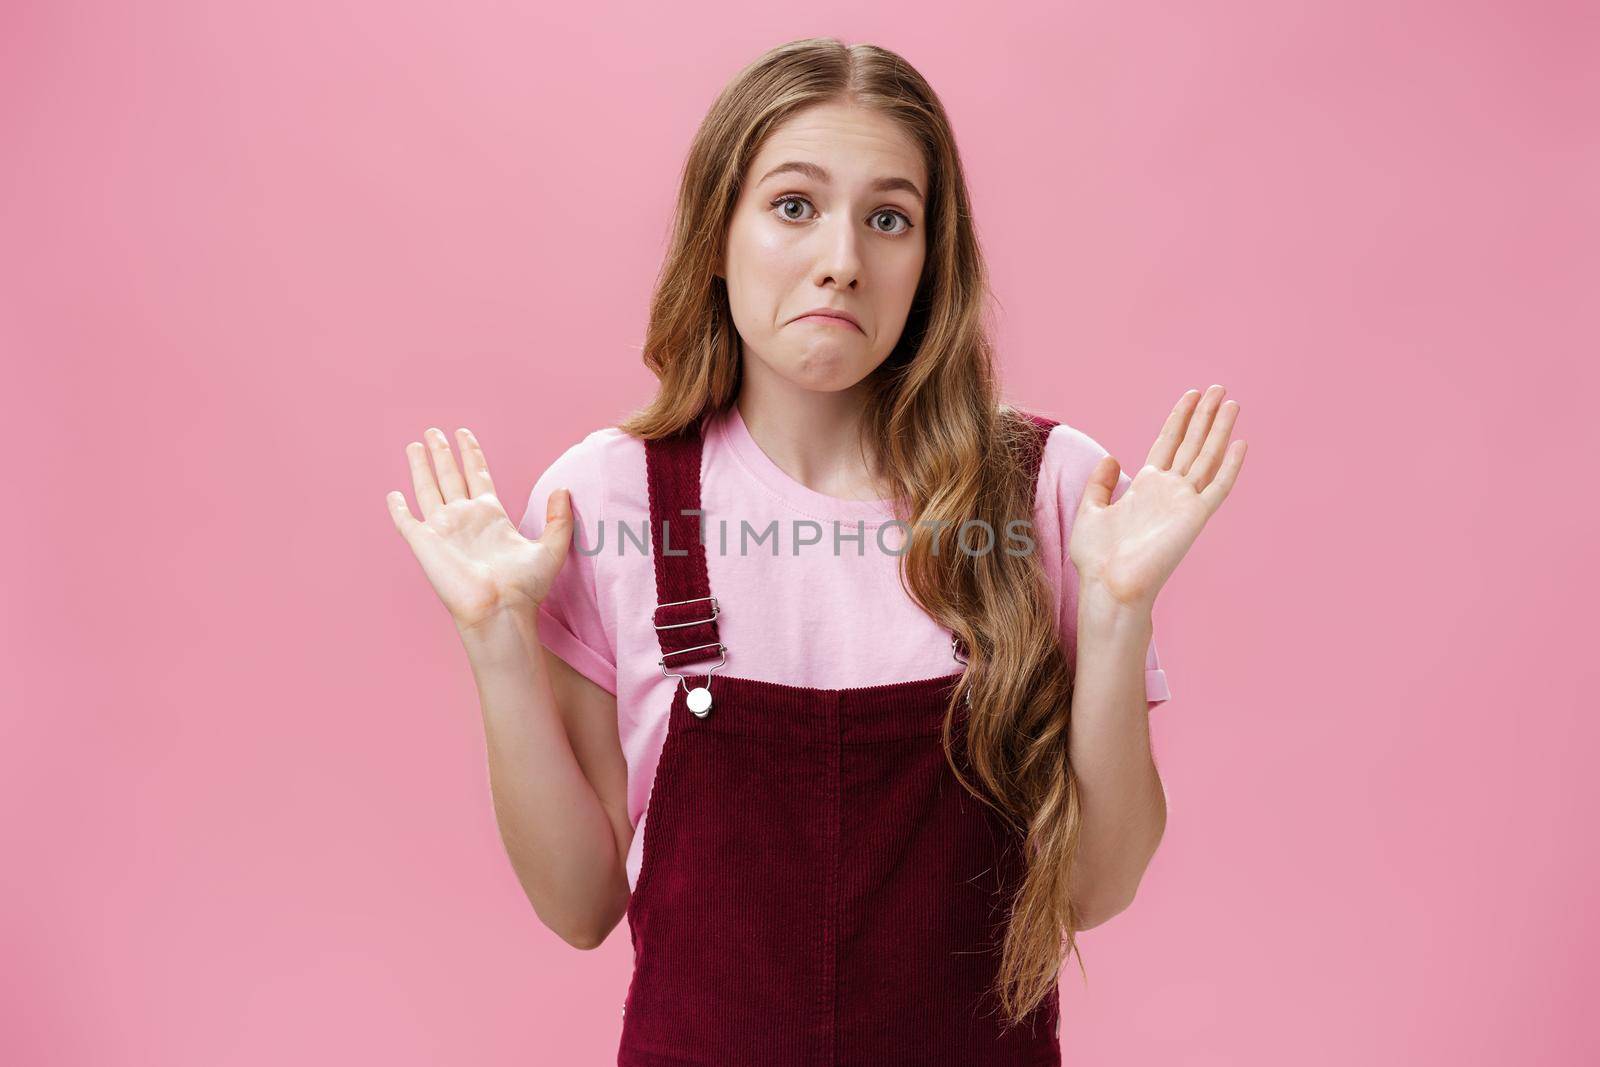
{"points": [[834, 313]]}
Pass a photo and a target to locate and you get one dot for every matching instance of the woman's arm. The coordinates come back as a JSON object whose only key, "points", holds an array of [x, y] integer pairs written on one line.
{"points": [[555, 765], [567, 836], [1119, 792], [1124, 548]]}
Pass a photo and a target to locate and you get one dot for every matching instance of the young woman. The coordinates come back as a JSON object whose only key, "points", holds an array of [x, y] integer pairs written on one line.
{"points": [[840, 693]]}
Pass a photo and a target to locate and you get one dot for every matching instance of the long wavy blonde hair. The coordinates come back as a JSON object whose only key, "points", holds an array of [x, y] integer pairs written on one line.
{"points": [[948, 449]]}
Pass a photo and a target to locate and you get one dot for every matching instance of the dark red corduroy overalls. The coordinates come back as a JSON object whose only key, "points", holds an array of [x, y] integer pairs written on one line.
{"points": [[817, 889]]}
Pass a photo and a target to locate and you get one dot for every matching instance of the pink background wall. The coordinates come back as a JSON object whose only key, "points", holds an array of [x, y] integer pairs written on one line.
{"points": [[248, 251]]}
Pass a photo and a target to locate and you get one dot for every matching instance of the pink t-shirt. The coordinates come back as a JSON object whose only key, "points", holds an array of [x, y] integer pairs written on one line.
{"points": [[792, 609]]}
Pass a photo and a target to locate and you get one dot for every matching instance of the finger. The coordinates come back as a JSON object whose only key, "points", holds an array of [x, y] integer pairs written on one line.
{"points": [[1166, 444], [1215, 493], [557, 532], [1205, 465], [1199, 426], [1102, 483], [422, 480], [474, 463], [451, 484], [405, 522]]}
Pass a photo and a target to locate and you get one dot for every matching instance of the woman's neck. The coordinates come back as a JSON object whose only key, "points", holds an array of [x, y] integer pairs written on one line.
{"points": [[814, 437]]}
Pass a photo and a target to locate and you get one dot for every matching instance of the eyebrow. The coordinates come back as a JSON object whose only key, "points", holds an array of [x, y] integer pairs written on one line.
{"points": [[817, 173]]}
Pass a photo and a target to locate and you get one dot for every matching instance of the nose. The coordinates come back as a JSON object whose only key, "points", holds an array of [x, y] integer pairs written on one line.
{"points": [[839, 260]]}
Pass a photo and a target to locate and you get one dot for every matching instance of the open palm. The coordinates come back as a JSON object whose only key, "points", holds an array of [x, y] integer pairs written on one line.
{"points": [[477, 560], [1131, 547]]}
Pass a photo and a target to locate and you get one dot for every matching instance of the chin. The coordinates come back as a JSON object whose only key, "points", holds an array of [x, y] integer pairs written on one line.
{"points": [[824, 371]]}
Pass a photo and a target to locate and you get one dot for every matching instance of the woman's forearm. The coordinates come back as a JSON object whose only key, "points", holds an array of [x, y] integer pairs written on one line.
{"points": [[1124, 808], [556, 832]]}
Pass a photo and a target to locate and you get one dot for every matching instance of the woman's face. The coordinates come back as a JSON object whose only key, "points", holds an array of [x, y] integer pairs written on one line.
{"points": [[830, 215]]}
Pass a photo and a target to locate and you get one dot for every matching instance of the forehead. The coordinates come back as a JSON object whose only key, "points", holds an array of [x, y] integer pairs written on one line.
{"points": [[854, 143]]}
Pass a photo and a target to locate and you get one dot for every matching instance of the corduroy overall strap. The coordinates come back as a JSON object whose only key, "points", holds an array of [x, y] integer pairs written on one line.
{"points": [[672, 466]]}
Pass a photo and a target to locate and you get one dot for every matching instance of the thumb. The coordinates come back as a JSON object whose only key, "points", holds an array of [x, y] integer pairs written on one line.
{"points": [[557, 533], [1102, 483]]}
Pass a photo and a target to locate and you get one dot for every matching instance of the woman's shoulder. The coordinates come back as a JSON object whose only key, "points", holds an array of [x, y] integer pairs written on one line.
{"points": [[1066, 446], [1070, 456], [1069, 444], [603, 470], [601, 448]]}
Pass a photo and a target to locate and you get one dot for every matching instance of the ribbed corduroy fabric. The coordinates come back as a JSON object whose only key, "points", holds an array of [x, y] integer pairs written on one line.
{"points": [[816, 889]]}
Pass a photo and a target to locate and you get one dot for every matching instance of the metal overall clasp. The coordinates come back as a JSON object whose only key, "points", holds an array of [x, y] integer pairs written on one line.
{"points": [[955, 643], [699, 698]]}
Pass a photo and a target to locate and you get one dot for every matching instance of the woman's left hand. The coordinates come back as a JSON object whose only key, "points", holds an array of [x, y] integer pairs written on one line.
{"points": [[1130, 548]]}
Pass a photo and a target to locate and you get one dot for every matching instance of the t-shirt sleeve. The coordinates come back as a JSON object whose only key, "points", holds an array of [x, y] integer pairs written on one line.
{"points": [[1074, 462], [571, 619]]}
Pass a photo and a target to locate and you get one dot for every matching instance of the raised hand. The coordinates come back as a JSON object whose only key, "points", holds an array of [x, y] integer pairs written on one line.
{"points": [[1130, 548], [478, 561]]}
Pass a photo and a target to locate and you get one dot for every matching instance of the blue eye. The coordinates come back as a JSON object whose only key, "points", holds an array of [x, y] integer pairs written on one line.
{"points": [[783, 201]]}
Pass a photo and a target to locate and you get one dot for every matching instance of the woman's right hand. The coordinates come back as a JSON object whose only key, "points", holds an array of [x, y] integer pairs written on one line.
{"points": [[477, 560]]}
